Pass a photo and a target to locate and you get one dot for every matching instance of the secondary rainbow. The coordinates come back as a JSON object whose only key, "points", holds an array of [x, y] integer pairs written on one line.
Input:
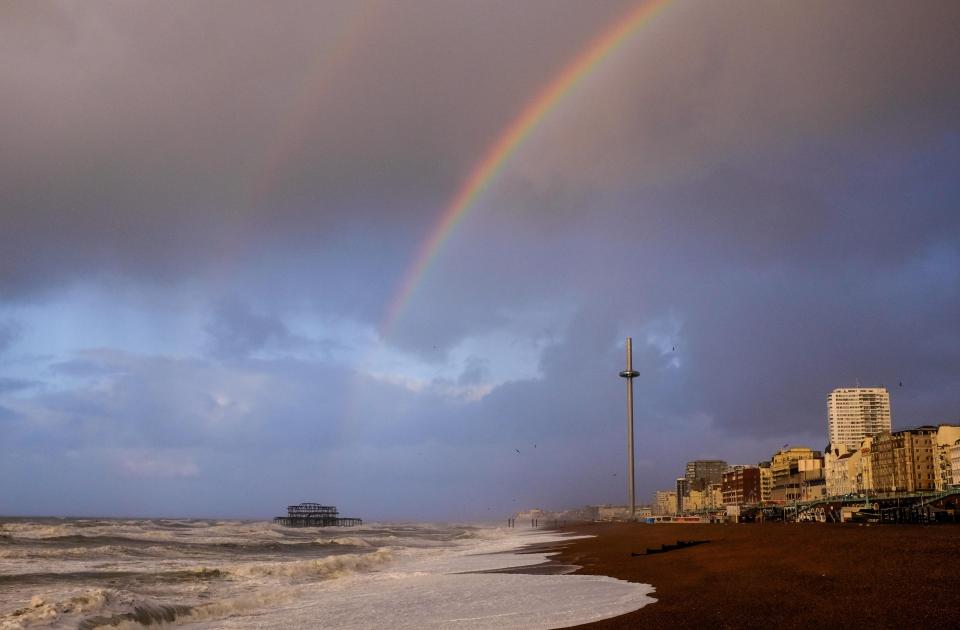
{"points": [[506, 144]]}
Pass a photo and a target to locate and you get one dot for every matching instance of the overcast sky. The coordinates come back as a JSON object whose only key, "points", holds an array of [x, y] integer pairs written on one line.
{"points": [[206, 208]]}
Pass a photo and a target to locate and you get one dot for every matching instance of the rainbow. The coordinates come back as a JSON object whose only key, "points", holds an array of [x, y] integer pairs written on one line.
{"points": [[507, 143]]}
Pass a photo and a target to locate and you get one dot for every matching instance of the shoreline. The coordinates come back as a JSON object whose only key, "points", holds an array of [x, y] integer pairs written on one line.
{"points": [[777, 575]]}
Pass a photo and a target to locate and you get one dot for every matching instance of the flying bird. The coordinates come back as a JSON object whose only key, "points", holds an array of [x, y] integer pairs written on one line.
{"points": [[901, 383], [517, 450]]}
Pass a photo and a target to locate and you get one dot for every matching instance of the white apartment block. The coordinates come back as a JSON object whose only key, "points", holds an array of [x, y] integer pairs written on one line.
{"points": [[854, 413]]}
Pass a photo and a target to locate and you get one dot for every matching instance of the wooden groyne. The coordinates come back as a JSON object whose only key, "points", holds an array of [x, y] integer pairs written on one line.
{"points": [[315, 515]]}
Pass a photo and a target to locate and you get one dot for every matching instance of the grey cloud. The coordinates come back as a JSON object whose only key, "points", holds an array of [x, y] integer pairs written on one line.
{"points": [[84, 367], [709, 83], [9, 332], [15, 384], [143, 144], [236, 331], [475, 371]]}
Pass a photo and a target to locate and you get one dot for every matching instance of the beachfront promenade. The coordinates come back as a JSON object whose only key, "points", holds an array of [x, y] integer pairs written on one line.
{"points": [[929, 506]]}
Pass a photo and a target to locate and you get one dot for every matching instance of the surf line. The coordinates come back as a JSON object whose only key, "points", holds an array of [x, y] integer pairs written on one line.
{"points": [[506, 144]]}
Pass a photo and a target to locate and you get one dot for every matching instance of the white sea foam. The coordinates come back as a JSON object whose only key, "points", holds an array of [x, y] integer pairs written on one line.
{"points": [[443, 591], [256, 575]]}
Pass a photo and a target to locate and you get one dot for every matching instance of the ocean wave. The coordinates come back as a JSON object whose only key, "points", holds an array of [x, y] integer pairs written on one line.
{"points": [[146, 614], [42, 611], [126, 577], [328, 567], [350, 541], [141, 615], [20, 553], [146, 530]]}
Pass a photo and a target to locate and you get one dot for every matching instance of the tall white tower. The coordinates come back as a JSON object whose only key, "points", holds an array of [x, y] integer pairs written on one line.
{"points": [[630, 374], [854, 413]]}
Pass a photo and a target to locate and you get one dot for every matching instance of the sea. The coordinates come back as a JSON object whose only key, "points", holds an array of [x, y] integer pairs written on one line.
{"points": [[129, 573]]}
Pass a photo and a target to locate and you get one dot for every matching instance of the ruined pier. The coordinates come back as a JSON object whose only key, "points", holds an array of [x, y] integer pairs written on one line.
{"points": [[315, 515]]}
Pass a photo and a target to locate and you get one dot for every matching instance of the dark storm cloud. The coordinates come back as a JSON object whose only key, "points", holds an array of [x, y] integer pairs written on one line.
{"points": [[154, 140], [717, 82], [151, 141]]}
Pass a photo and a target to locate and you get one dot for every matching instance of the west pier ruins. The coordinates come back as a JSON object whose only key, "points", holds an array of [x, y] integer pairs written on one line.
{"points": [[315, 515]]}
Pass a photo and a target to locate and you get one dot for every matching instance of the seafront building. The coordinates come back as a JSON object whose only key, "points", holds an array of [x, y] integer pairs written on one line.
{"points": [[665, 502], [849, 472], [955, 462], [700, 473], [916, 459], [683, 491], [741, 486], [715, 496], [700, 488], [864, 459], [797, 474], [862, 462], [695, 501], [766, 481], [903, 461], [701, 500], [840, 479], [947, 436], [854, 413]]}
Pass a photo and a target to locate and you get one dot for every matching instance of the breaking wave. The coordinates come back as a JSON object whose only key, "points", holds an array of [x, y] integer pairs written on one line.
{"points": [[41, 610], [328, 567], [89, 573]]}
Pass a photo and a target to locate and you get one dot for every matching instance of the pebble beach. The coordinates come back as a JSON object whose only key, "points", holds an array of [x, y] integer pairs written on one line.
{"points": [[775, 575]]}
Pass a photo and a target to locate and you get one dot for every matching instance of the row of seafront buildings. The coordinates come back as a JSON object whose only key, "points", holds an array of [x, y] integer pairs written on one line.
{"points": [[864, 455]]}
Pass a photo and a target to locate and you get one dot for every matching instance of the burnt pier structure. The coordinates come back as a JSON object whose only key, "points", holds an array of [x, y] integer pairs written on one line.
{"points": [[315, 515]]}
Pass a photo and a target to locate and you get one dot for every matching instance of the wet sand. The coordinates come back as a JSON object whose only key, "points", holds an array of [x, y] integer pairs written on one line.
{"points": [[775, 575]]}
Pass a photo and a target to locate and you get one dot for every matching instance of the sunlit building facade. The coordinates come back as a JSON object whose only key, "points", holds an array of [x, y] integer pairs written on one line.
{"points": [[741, 486], [797, 474], [903, 461], [854, 413], [665, 502], [766, 482], [947, 436], [955, 462]]}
